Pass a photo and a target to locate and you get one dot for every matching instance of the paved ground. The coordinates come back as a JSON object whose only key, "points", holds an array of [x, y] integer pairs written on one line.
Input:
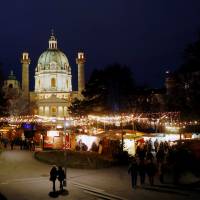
{"points": [[24, 178]]}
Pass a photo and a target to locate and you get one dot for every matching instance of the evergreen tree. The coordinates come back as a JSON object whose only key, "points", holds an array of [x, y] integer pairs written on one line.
{"points": [[108, 90], [3, 102], [191, 57], [187, 94]]}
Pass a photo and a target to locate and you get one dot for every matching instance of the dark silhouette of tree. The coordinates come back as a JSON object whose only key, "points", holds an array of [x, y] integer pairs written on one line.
{"points": [[17, 106], [108, 90], [120, 87], [191, 57], [3, 102], [96, 91], [78, 107], [14, 103], [187, 94]]}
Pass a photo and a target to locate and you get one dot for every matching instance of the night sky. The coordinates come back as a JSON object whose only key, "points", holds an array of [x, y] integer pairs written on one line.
{"points": [[147, 35]]}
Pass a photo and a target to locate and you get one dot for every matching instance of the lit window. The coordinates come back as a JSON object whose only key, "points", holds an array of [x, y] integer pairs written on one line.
{"points": [[53, 82], [67, 83], [10, 86], [53, 111]]}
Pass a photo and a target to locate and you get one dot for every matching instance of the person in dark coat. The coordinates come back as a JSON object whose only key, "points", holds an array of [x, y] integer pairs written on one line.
{"points": [[12, 144], [21, 144], [162, 171], [149, 155], [142, 171], [141, 154], [133, 170], [53, 176], [160, 156], [156, 144], [61, 177], [151, 171]]}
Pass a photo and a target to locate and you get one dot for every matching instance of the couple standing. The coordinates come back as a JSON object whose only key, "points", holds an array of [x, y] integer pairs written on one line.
{"points": [[57, 173]]}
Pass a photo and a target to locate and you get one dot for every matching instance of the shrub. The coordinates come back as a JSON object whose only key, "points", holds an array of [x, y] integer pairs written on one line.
{"points": [[90, 160]]}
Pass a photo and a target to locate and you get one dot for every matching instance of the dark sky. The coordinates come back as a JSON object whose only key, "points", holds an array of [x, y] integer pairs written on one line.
{"points": [[147, 35]]}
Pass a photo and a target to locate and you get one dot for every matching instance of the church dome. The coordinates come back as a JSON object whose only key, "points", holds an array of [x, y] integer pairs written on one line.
{"points": [[52, 58], [53, 72]]}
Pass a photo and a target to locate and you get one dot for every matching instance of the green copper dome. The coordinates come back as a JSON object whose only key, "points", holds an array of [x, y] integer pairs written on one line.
{"points": [[52, 57]]}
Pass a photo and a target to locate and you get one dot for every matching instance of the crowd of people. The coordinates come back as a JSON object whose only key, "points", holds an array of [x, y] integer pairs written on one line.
{"points": [[26, 144], [150, 159]]}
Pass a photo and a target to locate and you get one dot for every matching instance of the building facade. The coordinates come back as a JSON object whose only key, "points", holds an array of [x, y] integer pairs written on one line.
{"points": [[53, 92]]}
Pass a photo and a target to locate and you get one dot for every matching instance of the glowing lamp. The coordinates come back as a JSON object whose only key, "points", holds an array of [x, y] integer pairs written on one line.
{"points": [[53, 133]]}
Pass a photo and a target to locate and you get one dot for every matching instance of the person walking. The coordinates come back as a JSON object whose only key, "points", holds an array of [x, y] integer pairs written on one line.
{"points": [[156, 144], [12, 144], [151, 171], [133, 170], [53, 176], [5, 141], [142, 171], [149, 156], [161, 172], [32, 143], [160, 156], [61, 177]]}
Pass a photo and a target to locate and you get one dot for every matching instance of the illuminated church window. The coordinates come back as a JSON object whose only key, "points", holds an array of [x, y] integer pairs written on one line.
{"points": [[67, 83], [53, 111], [10, 86], [53, 82]]}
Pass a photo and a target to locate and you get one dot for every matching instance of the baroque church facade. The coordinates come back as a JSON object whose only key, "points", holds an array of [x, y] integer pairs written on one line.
{"points": [[53, 92]]}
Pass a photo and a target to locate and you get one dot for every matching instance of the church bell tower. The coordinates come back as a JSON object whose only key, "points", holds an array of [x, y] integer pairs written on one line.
{"points": [[25, 60], [80, 61]]}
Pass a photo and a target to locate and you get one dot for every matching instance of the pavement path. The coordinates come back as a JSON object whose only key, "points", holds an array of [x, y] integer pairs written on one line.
{"points": [[24, 178]]}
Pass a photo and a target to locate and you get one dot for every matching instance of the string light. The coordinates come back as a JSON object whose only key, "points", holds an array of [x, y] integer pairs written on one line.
{"points": [[165, 119]]}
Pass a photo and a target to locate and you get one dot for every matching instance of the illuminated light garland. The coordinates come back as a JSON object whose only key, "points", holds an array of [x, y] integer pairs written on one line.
{"points": [[163, 119], [172, 128]]}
